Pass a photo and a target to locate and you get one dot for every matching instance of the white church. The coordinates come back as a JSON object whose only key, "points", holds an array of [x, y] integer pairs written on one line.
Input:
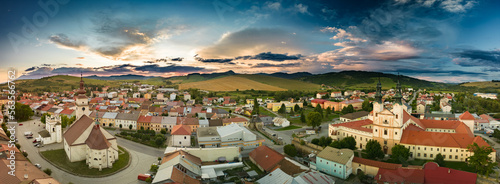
{"points": [[87, 140], [53, 131]]}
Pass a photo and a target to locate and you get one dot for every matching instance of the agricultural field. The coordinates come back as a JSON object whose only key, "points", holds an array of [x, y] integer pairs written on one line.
{"points": [[283, 83], [231, 83]]}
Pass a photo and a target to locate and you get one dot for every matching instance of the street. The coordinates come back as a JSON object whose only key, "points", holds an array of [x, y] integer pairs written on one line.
{"points": [[142, 157]]}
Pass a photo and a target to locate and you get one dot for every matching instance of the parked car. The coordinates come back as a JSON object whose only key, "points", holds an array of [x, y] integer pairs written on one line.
{"points": [[274, 134], [143, 177], [280, 138], [20, 124], [38, 166], [29, 137]]}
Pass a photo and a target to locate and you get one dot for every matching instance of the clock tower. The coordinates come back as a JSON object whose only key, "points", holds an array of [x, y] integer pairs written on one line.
{"points": [[82, 102]]}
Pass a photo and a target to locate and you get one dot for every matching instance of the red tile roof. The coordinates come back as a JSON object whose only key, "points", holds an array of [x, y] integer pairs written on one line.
{"points": [[181, 130], [440, 139], [375, 163], [413, 127], [144, 119], [400, 175], [318, 101], [466, 116], [97, 140], [436, 174], [357, 125], [266, 157], [67, 111]]}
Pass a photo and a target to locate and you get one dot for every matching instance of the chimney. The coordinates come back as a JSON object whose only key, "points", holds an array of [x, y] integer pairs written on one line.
{"points": [[379, 177], [449, 171]]}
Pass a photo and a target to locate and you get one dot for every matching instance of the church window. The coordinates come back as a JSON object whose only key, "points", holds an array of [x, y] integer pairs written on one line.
{"points": [[83, 108], [385, 131], [376, 130], [457, 150], [385, 122], [444, 150]]}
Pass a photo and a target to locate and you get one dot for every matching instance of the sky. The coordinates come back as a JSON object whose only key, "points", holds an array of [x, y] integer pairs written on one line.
{"points": [[438, 40]]}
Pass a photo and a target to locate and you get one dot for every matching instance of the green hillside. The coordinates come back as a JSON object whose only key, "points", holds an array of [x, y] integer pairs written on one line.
{"points": [[58, 83], [361, 79], [283, 83]]}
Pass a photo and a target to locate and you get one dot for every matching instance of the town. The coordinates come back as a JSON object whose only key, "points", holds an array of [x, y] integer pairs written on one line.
{"points": [[153, 134]]}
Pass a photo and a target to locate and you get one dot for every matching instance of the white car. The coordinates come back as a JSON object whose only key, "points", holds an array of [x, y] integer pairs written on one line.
{"points": [[38, 166]]}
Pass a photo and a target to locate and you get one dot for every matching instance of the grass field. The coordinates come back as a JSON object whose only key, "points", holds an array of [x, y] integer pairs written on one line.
{"points": [[58, 157], [263, 111], [231, 83], [291, 127], [283, 83], [485, 84], [59, 83]]}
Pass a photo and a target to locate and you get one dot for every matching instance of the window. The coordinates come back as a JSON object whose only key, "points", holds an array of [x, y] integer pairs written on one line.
{"points": [[385, 131], [425, 154], [418, 154], [385, 122], [450, 156], [184, 137], [418, 148], [396, 133], [444, 150], [425, 148], [385, 142], [376, 130], [456, 156], [431, 149], [432, 155], [457, 150], [360, 138], [438, 149]]}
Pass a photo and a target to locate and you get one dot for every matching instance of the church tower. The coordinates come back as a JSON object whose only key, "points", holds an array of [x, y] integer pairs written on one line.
{"points": [[378, 106], [82, 102], [397, 107]]}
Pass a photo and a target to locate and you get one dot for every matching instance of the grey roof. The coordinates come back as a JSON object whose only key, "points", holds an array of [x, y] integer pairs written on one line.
{"points": [[207, 132], [277, 176], [127, 116], [53, 109], [355, 115], [110, 115], [168, 120], [341, 156], [44, 133]]}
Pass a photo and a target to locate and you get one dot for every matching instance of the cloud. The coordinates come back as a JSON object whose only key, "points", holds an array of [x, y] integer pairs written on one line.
{"points": [[63, 40], [124, 69], [456, 6], [80, 58], [270, 57], [273, 5], [266, 65], [300, 8], [227, 60], [179, 59], [469, 58], [251, 41], [120, 37]]}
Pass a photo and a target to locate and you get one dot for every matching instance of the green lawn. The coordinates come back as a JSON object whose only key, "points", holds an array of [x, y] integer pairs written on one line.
{"points": [[263, 111], [253, 166], [58, 157], [307, 110], [291, 127]]}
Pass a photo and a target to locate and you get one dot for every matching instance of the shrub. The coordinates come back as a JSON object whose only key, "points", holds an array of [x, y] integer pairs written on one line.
{"points": [[47, 171]]}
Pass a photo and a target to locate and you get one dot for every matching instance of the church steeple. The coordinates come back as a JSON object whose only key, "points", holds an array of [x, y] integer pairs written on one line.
{"points": [[398, 95], [81, 91], [378, 94]]}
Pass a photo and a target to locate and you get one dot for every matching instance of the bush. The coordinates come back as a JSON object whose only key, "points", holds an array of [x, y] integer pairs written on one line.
{"points": [[302, 142], [290, 150], [25, 154], [315, 141], [154, 168], [47, 171]]}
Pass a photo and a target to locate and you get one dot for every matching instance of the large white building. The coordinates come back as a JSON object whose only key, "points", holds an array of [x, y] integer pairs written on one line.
{"points": [[53, 131], [424, 138], [237, 135], [87, 140]]}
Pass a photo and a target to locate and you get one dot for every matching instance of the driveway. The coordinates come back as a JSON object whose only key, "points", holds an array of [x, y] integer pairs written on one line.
{"points": [[142, 157]]}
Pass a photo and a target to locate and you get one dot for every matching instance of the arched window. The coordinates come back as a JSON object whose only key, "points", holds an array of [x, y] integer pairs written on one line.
{"points": [[385, 131]]}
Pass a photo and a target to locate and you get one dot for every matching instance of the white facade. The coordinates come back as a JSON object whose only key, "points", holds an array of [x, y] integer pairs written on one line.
{"points": [[237, 135], [181, 140], [283, 122], [53, 127], [173, 96]]}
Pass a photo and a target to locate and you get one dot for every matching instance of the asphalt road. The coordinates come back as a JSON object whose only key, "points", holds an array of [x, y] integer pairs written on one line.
{"points": [[142, 158]]}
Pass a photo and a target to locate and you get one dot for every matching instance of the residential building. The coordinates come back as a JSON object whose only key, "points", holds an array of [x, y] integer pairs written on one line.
{"points": [[108, 119], [321, 95], [282, 122], [156, 123], [265, 158], [335, 162], [125, 120], [336, 94], [181, 136], [144, 122], [168, 123]]}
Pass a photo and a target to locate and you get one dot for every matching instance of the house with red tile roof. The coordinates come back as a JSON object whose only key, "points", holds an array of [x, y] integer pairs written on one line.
{"points": [[181, 136], [265, 158], [425, 138]]}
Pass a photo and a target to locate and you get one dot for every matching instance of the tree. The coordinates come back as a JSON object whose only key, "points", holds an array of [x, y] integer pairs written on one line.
{"points": [[64, 121], [22, 112], [47, 171], [319, 110], [314, 119], [374, 150], [440, 160], [72, 120], [315, 141], [163, 131], [349, 143], [481, 160], [496, 133], [367, 106], [400, 153], [43, 119], [130, 127], [336, 144], [290, 150], [159, 141], [282, 109], [154, 168], [328, 111], [302, 117], [256, 107], [304, 104], [296, 108]]}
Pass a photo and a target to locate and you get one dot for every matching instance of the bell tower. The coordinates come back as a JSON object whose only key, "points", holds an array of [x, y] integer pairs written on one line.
{"points": [[82, 102], [377, 104]]}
